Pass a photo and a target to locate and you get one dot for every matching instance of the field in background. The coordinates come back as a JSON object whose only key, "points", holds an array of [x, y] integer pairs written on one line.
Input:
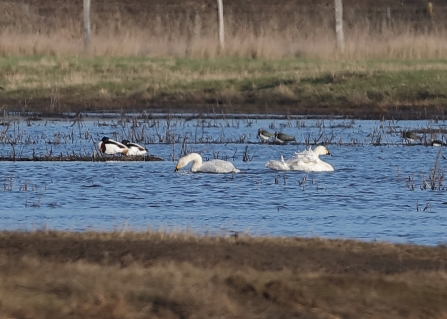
{"points": [[177, 275], [255, 28], [279, 57], [396, 89]]}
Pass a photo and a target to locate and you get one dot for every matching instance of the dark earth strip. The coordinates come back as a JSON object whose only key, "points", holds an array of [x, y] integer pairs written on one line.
{"points": [[134, 105], [298, 254]]}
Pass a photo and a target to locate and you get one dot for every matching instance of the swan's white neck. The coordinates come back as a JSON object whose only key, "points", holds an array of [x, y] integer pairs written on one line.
{"points": [[320, 150], [196, 160]]}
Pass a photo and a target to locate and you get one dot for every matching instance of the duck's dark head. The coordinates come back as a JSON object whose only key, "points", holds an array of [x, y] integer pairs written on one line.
{"points": [[105, 139], [125, 142]]}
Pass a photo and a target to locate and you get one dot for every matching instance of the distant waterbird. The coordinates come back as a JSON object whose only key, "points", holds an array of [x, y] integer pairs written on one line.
{"points": [[134, 148], [109, 146], [411, 136], [264, 135], [437, 143], [283, 138]]}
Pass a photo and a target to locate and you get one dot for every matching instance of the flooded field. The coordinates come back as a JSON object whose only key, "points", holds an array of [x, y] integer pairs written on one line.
{"points": [[385, 186]]}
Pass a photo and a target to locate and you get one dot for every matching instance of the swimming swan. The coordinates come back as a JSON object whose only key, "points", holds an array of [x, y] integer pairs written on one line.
{"points": [[310, 161], [278, 165], [307, 160], [213, 166]]}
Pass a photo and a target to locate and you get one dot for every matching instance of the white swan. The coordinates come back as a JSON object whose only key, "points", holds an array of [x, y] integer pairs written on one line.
{"points": [[309, 161], [213, 166], [278, 165]]}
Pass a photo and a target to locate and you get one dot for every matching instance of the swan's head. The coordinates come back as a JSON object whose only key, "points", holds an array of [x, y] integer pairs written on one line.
{"points": [[321, 150], [185, 160], [181, 163]]}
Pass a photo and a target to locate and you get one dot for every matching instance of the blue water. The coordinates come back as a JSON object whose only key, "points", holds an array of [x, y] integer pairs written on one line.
{"points": [[375, 192]]}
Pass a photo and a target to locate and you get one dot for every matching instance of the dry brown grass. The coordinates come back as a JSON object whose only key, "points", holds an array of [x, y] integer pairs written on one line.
{"points": [[180, 275], [279, 58], [134, 28]]}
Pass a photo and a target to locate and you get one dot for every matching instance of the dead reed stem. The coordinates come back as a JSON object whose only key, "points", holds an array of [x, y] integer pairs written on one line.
{"points": [[436, 174]]}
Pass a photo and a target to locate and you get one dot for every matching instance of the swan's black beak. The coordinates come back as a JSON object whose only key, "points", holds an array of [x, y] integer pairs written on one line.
{"points": [[329, 153], [176, 169]]}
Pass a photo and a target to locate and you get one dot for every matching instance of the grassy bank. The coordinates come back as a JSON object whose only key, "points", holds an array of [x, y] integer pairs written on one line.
{"points": [[376, 88], [159, 275]]}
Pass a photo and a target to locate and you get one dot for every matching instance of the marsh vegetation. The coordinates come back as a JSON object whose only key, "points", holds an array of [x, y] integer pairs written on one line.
{"points": [[180, 275], [159, 57]]}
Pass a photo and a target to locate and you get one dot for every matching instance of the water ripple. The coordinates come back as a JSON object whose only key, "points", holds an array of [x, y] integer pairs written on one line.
{"points": [[368, 196]]}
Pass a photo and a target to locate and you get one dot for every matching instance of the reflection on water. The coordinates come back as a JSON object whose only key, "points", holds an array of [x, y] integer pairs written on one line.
{"points": [[375, 193]]}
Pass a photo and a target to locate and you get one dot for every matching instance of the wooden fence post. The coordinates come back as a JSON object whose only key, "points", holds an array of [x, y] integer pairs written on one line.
{"points": [[221, 23], [388, 15], [86, 24], [339, 25], [26, 8], [430, 9]]}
